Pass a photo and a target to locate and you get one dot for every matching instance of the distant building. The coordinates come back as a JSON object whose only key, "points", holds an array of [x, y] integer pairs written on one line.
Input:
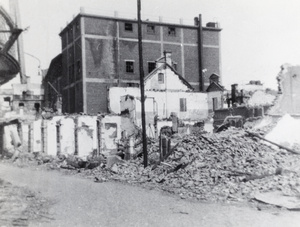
{"points": [[28, 98], [52, 83], [99, 52]]}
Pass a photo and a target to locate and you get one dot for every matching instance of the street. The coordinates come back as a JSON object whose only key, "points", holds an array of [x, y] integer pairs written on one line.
{"points": [[82, 202]]}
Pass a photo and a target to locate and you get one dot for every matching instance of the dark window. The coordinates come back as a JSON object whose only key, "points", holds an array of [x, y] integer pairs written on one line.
{"points": [[161, 78], [37, 106], [129, 66], [171, 31], [21, 104], [150, 29], [151, 66], [215, 103], [183, 105], [128, 27], [6, 99]]}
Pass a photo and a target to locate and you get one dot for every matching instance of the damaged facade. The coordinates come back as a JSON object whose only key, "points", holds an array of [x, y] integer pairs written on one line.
{"points": [[101, 52], [166, 93], [288, 85]]}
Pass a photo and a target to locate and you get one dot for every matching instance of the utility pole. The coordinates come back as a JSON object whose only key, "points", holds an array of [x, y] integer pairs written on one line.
{"points": [[144, 137]]}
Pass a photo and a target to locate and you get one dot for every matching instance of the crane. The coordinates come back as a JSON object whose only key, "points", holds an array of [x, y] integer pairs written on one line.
{"points": [[9, 66]]}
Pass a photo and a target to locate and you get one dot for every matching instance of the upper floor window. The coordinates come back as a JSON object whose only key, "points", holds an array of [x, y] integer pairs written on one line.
{"points": [[129, 66], [150, 29], [128, 27], [161, 78], [171, 31], [151, 66]]}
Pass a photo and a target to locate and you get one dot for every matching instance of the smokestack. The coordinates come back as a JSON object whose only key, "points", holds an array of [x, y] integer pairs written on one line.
{"points": [[233, 93]]}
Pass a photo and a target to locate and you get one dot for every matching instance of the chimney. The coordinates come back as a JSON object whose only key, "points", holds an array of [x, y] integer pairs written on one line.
{"points": [[167, 55], [196, 21], [233, 93]]}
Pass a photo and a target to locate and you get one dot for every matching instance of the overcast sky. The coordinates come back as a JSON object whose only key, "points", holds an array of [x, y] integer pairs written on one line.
{"points": [[258, 36]]}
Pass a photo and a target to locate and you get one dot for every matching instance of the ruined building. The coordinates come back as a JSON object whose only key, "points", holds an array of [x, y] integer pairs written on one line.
{"points": [[100, 52]]}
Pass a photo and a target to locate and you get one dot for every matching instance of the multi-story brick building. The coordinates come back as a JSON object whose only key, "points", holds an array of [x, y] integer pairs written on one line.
{"points": [[99, 52]]}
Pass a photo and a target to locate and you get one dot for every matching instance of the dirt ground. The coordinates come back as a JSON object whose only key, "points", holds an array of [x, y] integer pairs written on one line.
{"points": [[37, 197], [19, 206]]}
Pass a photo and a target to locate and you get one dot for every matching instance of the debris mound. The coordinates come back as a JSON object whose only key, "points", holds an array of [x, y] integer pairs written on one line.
{"points": [[228, 165]]}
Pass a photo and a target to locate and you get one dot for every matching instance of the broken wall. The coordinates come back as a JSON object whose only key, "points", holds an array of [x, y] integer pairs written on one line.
{"points": [[289, 82], [187, 105], [77, 135]]}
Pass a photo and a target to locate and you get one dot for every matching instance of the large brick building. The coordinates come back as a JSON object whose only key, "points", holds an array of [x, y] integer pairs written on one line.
{"points": [[99, 52]]}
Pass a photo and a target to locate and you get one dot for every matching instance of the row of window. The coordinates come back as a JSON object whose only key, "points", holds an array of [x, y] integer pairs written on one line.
{"points": [[150, 29], [129, 66]]}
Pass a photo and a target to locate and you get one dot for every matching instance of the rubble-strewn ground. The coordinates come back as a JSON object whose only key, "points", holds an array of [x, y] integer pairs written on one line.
{"points": [[228, 166], [20, 207]]}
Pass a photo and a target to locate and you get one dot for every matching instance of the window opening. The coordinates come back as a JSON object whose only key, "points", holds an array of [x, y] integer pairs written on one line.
{"points": [[183, 105], [129, 66], [151, 66], [128, 27], [150, 29], [171, 31], [161, 78]]}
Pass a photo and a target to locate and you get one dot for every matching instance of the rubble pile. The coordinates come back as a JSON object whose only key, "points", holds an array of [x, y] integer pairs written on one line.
{"points": [[228, 165]]}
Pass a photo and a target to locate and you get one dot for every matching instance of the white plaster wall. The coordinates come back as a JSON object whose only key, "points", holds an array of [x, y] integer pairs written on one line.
{"points": [[85, 143], [197, 105], [51, 136], [166, 102], [115, 94], [215, 94], [67, 136], [87, 135], [37, 136], [7, 140], [108, 141]]}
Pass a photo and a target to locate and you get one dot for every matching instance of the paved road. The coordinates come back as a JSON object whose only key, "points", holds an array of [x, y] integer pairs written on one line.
{"points": [[81, 202]]}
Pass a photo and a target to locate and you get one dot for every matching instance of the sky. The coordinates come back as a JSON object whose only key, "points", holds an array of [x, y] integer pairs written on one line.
{"points": [[257, 37]]}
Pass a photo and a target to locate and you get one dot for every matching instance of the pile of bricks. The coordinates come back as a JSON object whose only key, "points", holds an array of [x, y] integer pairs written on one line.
{"points": [[230, 165], [227, 165]]}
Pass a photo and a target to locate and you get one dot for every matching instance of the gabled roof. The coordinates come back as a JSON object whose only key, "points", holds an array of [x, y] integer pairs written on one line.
{"points": [[215, 87], [175, 72]]}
